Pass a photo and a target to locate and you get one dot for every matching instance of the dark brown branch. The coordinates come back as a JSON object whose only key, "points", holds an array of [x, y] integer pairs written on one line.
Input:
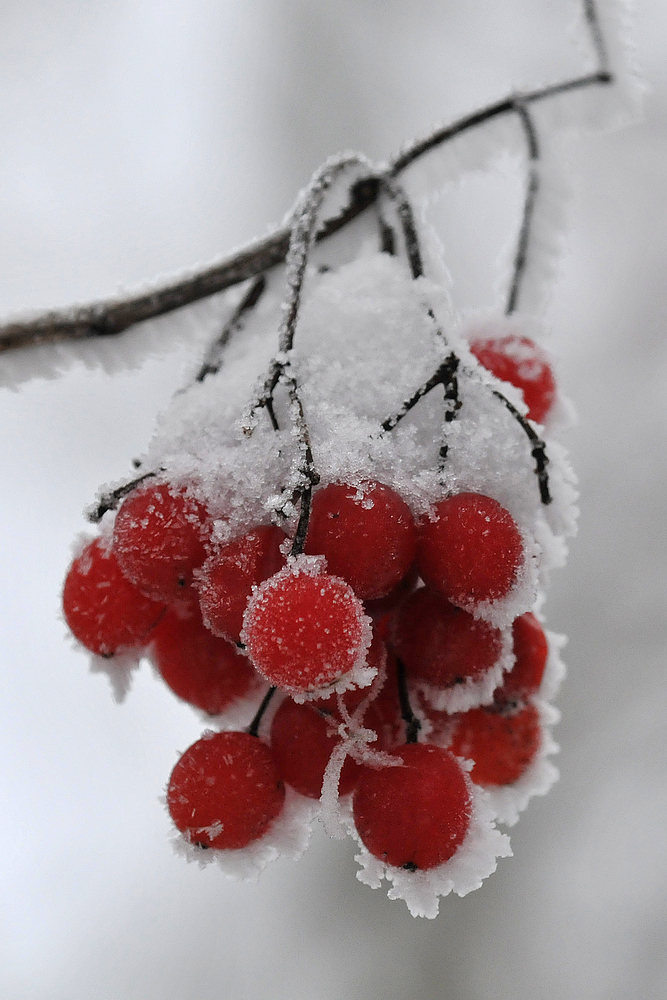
{"points": [[108, 318]]}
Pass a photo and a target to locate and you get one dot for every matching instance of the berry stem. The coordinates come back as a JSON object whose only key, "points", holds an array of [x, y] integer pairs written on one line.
{"points": [[213, 359], [396, 194], [253, 728], [532, 188], [412, 723], [538, 451], [110, 500], [445, 375]]}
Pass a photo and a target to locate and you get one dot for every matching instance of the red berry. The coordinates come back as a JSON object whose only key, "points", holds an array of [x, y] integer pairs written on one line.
{"points": [[302, 740], [103, 609], [531, 651], [522, 363], [469, 549], [305, 629], [225, 791], [501, 744], [414, 816], [367, 534], [441, 644], [228, 576], [199, 667], [159, 537]]}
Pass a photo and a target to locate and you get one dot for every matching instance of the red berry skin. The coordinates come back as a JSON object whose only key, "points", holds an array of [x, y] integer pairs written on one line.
{"points": [[501, 744], [202, 669], [302, 745], [228, 576], [304, 631], [159, 538], [104, 611], [519, 361], [531, 650], [366, 533], [415, 816], [225, 791], [441, 644], [469, 549]]}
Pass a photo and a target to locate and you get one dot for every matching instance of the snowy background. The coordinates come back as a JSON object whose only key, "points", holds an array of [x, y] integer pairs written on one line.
{"points": [[139, 138]]}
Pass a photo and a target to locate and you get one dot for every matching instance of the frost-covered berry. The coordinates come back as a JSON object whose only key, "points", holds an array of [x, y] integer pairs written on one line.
{"points": [[104, 611], [502, 744], [159, 537], [531, 650], [201, 668], [367, 534], [302, 740], [228, 576], [470, 549], [225, 791], [304, 629], [519, 361], [440, 643], [414, 816]]}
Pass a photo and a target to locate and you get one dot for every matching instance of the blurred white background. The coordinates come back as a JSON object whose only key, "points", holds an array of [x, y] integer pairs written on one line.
{"points": [[138, 138]]}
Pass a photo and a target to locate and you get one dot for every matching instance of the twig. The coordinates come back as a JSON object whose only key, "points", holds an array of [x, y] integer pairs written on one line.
{"points": [[445, 375], [109, 501], [538, 450], [213, 360]]}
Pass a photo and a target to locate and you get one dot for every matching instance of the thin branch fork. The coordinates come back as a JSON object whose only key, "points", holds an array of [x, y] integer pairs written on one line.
{"points": [[108, 318]]}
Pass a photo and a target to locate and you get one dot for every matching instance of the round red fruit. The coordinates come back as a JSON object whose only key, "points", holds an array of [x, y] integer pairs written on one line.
{"points": [[441, 644], [531, 650], [201, 668], [104, 611], [304, 629], [228, 576], [519, 361], [159, 537], [414, 816], [302, 740], [225, 791], [367, 534], [470, 549], [502, 744]]}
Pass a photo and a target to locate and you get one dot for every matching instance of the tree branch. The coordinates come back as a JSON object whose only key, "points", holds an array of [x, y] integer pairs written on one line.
{"points": [[110, 317]]}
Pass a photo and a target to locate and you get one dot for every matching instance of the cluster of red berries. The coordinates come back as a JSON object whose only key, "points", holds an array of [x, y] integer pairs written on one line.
{"points": [[389, 663]]}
